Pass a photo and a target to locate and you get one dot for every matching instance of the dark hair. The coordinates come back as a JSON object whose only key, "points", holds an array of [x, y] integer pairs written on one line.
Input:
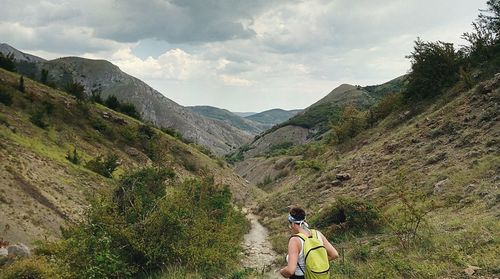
{"points": [[297, 213]]}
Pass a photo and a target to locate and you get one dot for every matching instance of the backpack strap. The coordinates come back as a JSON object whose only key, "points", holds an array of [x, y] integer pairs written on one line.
{"points": [[303, 237]]}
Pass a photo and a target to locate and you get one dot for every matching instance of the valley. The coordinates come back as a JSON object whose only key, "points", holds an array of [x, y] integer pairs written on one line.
{"points": [[103, 176]]}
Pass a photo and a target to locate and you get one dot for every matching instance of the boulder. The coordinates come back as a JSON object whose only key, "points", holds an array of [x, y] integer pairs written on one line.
{"points": [[470, 270], [343, 176], [18, 250], [439, 187], [335, 182], [470, 188], [4, 252]]}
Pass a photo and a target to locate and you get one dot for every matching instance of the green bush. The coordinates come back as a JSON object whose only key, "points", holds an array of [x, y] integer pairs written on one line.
{"points": [[309, 164], [6, 98], [104, 166], [389, 103], [348, 216], [73, 157], [36, 267], [351, 123], [146, 226], [200, 215], [21, 86], [7, 62], [39, 118], [139, 191], [130, 110], [279, 149], [44, 76], [434, 66], [112, 102], [76, 89]]}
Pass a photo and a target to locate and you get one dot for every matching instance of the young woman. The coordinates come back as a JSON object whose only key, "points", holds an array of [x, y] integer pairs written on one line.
{"points": [[295, 258]]}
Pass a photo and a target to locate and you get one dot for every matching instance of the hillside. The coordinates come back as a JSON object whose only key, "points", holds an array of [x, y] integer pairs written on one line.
{"points": [[107, 79], [415, 196], [313, 122], [273, 116], [251, 127], [40, 128]]}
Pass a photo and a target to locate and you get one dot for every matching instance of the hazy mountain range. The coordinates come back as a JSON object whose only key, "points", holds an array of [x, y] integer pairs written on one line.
{"points": [[221, 133]]}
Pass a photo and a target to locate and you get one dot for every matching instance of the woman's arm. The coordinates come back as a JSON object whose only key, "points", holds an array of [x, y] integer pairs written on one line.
{"points": [[293, 257], [332, 252]]}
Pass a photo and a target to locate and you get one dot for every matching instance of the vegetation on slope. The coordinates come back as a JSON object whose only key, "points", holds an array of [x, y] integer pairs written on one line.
{"points": [[421, 200], [156, 200]]}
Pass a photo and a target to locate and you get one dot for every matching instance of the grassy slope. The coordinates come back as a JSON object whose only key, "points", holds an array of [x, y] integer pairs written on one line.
{"points": [[41, 190], [454, 139]]}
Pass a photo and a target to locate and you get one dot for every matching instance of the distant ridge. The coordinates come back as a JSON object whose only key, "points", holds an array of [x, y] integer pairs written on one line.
{"points": [[102, 76], [273, 116]]}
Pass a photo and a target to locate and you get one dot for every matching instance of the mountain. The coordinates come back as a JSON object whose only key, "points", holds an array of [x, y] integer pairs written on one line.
{"points": [[244, 114], [311, 123], [253, 128], [106, 78], [18, 55], [273, 116], [44, 185]]}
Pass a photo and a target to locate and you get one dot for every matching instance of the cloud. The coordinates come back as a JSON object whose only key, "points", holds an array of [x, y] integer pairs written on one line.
{"points": [[260, 53]]}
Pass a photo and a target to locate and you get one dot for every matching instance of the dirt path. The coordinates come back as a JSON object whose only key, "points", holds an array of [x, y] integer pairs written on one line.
{"points": [[258, 250]]}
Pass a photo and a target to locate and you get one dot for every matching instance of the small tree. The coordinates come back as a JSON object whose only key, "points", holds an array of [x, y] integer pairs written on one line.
{"points": [[484, 40], [21, 84], [76, 89], [112, 102], [96, 96], [104, 166], [44, 76], [39, 119], [7, 62], [73, 157], [435, 65], [351, 123], [130, 110]]}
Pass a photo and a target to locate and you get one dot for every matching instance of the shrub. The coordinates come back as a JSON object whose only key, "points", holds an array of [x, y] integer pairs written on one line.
{"points": [[32, 268], [144, 226], [199, 214], [73, 157], [7, 62], [95, 96], [104, 166], [279, 149], [384, 107], [44, 75], [139, 191], [21, 84], [6, 98], [348, 215], [39, 119], [351, 123], [112, 102], [483, 41], [130, 110], [434, 66], [76, 89], [409, 212], [311, 164]]}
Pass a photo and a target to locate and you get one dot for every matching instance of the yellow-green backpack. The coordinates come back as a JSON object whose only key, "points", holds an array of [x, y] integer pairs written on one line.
{"points": [[317, 265]]}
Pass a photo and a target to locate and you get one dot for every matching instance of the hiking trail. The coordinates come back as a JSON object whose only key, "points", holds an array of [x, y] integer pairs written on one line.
{"points": [[259, 253]]}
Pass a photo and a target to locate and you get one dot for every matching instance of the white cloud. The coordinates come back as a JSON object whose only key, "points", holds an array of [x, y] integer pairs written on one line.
{"points": [[239, 54]]}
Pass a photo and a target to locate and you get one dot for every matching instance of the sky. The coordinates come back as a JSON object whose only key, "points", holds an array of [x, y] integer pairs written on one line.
{"points": [[241, 55]]}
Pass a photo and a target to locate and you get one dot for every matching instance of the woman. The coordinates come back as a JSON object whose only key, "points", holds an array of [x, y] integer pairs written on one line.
{"points": [[295, 257]]}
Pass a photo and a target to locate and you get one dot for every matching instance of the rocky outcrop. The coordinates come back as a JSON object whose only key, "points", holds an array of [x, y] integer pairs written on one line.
{"points": [[106, 78], [102, 76]]}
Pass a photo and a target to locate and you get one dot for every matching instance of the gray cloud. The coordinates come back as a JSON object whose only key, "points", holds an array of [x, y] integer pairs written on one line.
{"points": [[252, 52]]}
